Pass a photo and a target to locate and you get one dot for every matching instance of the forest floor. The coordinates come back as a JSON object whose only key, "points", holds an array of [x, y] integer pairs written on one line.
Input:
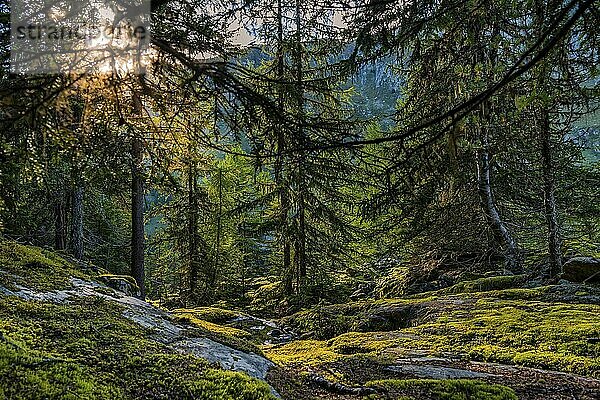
{"points": [[478, 340], [65, 335]]}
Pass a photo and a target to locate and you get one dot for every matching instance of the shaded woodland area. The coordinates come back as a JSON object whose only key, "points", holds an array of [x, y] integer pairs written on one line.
{"points": [[456, 135], [353, 152]]}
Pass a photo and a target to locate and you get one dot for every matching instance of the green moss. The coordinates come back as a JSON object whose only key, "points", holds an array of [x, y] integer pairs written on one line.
{"points": [[393, 284], [35, 268], [209, 314], [266, 297], [87, 350], [486, 284], [229, 336], [304, 352], [355, 342], [497, 326], [27, 376], [221, 329], [526, 333], [109, 278], [325, 322], [534, 294], [451, 389]]}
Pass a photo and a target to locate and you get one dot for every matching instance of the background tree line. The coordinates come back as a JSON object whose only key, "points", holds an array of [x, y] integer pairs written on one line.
{"points": [[416, 142]]}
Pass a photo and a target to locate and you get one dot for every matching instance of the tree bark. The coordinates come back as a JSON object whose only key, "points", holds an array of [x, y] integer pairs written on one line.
{"points": [[216, 265], [193, 229], [487, 200], [550, 209], [300, 252], [300, 239], [486, 197], [137, 206], [284, 202], [77, 246], [60, 224], [542, 9]]}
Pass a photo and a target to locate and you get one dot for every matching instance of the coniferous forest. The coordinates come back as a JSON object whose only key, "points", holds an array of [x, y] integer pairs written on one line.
{"points": [[378, 199]]}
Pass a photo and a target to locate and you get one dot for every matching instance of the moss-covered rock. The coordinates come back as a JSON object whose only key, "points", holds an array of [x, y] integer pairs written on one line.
{"points": [[303, 352], [393, 284], [123, 283], [209, 314], [60, 341], [87, 350], [226, 335], [324, 322], [509, 326], [487, 284]]}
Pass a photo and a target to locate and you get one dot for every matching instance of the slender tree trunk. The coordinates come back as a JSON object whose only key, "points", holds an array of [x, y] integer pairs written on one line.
{"points": [[542, 9], [487, 200], [550, 209], [77, 222], [300, 246], [137, 205], [60, 223], [284, 202], [77, 127], [193, 250], [245, 258], [215, 269], [486, 197]]}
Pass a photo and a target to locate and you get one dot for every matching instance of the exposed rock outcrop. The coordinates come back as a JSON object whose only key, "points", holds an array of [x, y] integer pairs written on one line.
{"points": [[148, 316]]}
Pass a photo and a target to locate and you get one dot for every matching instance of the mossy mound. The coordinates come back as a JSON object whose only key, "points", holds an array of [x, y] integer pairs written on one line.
{"points": [[209, 314], [328, 321], [87, 350], [509, 326], [35, 268], [84, 348], [487, 284]]}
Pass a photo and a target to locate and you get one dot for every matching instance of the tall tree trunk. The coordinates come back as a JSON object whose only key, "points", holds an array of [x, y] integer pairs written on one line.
{"points": [[488, 203], [77, 221], [489, 58], [300, 239], [300, 251], [543, 9], [137, 205], [284, 201], [193, 250], [550, 210], [60, 223], [216, 266]]}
